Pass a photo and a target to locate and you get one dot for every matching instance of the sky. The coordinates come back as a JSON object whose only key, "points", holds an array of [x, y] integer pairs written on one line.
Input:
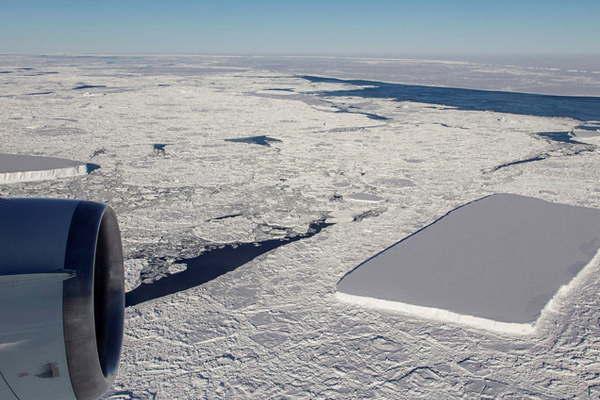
{"points": [[301, 27]]}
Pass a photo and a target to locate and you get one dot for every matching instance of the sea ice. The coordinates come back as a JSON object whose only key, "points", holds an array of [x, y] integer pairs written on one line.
{"points": [[366, 197], [273, 327]]}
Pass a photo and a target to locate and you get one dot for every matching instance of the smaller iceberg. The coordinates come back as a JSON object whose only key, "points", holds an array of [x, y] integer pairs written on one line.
{"points": [[23, 168]]}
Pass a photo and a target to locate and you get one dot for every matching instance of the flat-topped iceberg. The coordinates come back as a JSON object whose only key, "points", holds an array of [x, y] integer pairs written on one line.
{"points": [[494, 263], [23, 168]]}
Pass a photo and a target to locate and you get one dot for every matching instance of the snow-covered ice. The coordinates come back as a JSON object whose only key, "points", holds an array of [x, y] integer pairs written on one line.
{"points": [[495, 262], [25, 168], [273, 327]]}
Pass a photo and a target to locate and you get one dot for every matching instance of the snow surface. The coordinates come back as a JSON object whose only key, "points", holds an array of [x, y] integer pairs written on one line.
{"points": [[494, 262], [273, 328]]}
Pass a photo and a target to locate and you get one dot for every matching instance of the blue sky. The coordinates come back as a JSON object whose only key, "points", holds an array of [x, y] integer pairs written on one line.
{"points": [[349, 27]]}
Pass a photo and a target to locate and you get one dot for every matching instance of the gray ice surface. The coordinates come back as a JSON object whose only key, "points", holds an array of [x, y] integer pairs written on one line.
{"points": [[502, 257], [23, 163], [368, 197]]}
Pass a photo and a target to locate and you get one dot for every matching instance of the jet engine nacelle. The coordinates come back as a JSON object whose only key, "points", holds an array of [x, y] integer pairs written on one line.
{"points": [[61, 299]]}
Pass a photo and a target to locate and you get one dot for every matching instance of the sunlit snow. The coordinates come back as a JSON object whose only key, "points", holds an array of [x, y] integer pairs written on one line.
{"points": [[365, 144]]}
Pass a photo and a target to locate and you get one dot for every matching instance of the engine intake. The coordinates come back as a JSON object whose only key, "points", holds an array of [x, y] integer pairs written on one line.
{"points": [[61, 299]]}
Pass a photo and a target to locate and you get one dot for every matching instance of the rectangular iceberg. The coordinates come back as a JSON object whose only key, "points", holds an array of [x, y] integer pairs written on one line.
{"points": [[494, 263]]}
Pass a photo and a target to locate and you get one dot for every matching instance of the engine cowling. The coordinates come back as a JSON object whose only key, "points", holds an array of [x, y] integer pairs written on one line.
{"points": [[61, 299]]}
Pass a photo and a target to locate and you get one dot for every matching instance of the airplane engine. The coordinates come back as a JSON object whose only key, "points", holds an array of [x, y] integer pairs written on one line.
{"points": [[61, 299]]}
